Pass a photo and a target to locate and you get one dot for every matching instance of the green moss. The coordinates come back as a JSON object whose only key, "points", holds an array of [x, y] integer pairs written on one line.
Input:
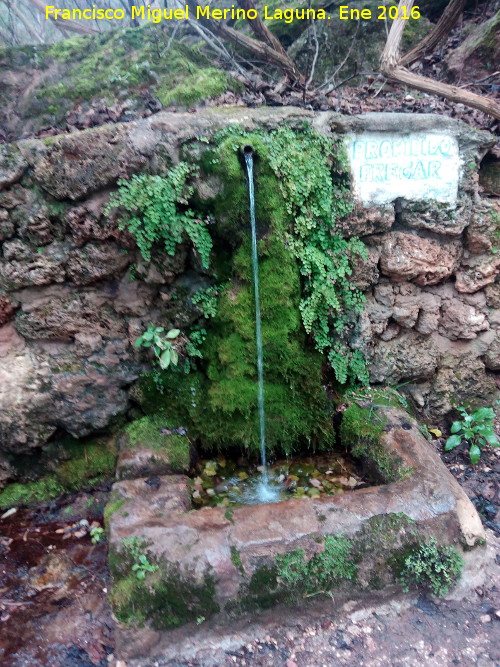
{"points": [[260, 593], [296, 409], [292, 576], [166, 598], [236, 560], [361, 431], [113, 506], [86, 465], [41, 491], [428, 565], [324, 571], [147, 432], [193, 88], [89, 463], [124, 63]]}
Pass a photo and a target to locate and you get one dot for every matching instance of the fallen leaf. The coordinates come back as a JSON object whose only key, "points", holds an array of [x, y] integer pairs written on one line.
{"points": [[436, 432]]}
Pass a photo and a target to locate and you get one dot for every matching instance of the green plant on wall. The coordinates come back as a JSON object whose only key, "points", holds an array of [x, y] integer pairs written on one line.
{"points": [[312, 176], [163, 346], [154, 210], [206, 300], [432, 566]]}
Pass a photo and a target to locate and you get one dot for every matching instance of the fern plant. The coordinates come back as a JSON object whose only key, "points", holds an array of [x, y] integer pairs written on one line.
{"points": [[311, 172], [155, 210]]}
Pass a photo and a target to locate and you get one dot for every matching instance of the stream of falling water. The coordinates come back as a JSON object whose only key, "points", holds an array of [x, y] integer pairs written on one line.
{"points": [[265, 491]]}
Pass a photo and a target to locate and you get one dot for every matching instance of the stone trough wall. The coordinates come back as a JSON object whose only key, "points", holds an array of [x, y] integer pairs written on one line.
{"points": [[69, 311]]}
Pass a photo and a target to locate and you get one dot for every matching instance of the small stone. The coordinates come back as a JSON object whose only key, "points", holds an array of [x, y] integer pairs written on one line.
{"points": [[485, 618]]}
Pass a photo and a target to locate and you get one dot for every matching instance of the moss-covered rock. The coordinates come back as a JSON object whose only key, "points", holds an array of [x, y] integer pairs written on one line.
{"points": [[79, 465], [153, 445], [361, 431], [119, 66], [164, 597]]}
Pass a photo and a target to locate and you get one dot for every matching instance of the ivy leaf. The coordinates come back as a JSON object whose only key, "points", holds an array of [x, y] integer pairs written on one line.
{"points": [[165, 359], [474, 454], [452, 442], [173, 333]]}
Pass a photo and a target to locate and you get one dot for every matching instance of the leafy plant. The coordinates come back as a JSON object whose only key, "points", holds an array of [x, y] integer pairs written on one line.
{"points": [[432, 566], [313, 178], [477, 429], [163, 345], [155, 209], [206, 300], [96, 534], [143, 567]]}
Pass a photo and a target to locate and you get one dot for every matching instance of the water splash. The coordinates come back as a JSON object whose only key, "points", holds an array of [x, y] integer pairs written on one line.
{"points": [[265, 492]]}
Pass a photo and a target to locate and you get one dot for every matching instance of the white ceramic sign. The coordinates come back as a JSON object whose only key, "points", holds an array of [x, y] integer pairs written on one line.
{"points": [[415, 166]]}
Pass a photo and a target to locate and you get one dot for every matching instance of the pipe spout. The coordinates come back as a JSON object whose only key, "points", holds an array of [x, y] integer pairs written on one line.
{"points": [[248, 151]]}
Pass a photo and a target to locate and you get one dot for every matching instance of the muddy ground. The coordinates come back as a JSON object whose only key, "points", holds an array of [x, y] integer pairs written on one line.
{"points": [[54, 611]]}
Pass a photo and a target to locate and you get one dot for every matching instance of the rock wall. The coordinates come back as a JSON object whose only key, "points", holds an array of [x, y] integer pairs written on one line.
{"points": [[70, 309]]}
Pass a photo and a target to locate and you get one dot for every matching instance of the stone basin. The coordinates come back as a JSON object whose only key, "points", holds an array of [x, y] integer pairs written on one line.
{"points": [[229, 562]]}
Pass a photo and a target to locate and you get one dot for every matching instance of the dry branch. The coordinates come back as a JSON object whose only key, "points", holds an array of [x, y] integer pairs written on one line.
{"points": [[257, 48], [261, 30], [29, 29], [392, 69], [65, 24], [442, 29]]}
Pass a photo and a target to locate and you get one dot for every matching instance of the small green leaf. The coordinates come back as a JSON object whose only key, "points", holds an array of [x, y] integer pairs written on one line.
{"points": [[148, 335], [456, 427], [138, 342], [492, 439], [452, 442], [483, 413], [174, 358], [474, 454], [173, 333], [165, 359]]}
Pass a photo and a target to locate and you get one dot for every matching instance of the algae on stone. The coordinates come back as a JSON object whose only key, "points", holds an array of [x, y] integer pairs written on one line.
{"points": [[80, 465], [165, 598], [361, 431], [147, 432]]}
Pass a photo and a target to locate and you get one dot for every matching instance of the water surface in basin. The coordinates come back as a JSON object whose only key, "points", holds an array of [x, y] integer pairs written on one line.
{"points": [[222, 482]]}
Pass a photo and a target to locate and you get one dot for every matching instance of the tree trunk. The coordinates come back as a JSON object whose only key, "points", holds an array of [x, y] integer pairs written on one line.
{"points": [[261, 30], [391, 68], [134, 21], [260, 49], [442, 29], [29, 29]]}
